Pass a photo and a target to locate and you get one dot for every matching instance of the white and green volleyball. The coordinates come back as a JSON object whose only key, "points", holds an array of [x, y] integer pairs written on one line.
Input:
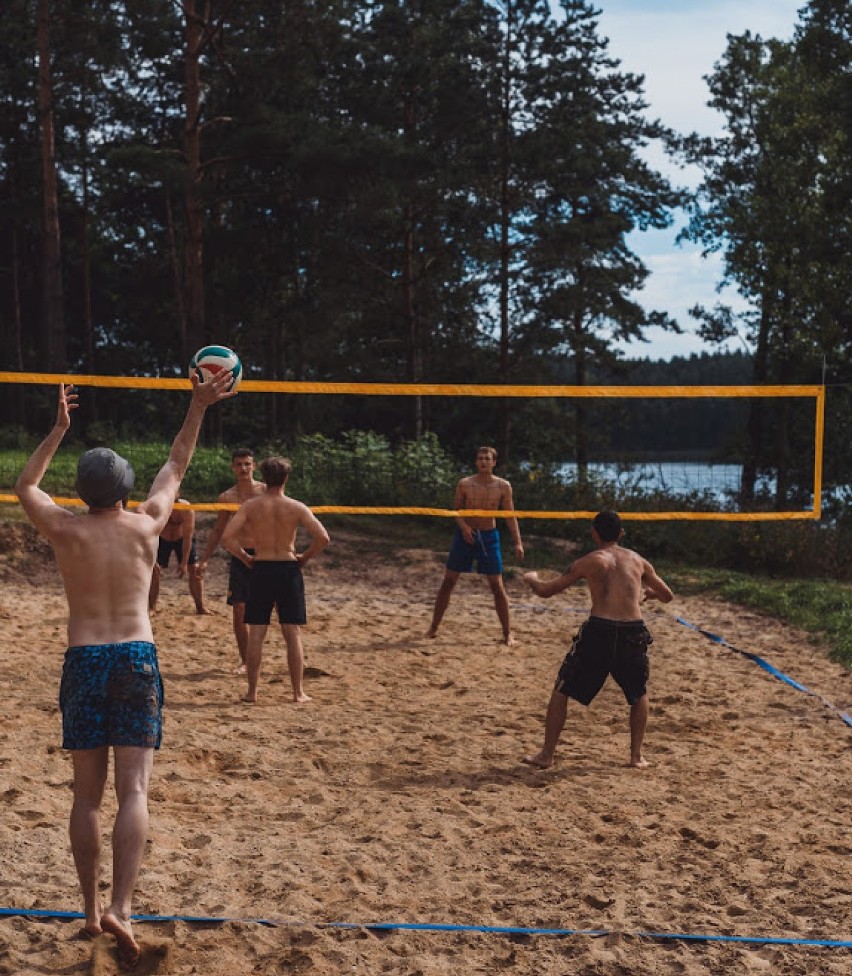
{"points": [[210, 360]]}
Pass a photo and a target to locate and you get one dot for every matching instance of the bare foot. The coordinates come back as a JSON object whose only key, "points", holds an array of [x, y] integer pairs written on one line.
{"points": [[251, 699], [302, 698], [432, 632], [204, 612], [509, 640], [539, 760], [640, 763], [91, 930], [240, 669], [128, 948]]}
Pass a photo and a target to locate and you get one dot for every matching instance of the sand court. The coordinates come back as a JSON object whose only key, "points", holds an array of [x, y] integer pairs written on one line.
{"points": [[397, 795]]}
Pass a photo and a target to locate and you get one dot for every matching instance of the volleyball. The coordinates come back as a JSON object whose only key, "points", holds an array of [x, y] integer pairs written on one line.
{"points": [[210, 360]]}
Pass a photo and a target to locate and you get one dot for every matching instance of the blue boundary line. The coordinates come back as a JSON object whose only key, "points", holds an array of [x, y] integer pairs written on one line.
{"points": [[449, 927], [770, 668]]}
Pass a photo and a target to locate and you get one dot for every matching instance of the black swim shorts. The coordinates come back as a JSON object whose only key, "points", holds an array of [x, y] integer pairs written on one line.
{"points": [[238, 580], [111, 695], [606, 647], [276, 583], [166, 547]]}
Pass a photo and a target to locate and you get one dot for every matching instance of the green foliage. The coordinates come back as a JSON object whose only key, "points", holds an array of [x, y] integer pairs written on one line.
{"points": [[361, 468], [208, 475]]}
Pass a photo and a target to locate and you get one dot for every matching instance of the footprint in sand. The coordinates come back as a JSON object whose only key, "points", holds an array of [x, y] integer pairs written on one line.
{"points": [[155, 958]]}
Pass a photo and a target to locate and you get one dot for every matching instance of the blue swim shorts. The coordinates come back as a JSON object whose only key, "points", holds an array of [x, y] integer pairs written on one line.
{"points": [[111, 695], [484, 550]]}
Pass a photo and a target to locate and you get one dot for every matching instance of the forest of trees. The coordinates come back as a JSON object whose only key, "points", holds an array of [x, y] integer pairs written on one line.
{"points": [[437, 191]]}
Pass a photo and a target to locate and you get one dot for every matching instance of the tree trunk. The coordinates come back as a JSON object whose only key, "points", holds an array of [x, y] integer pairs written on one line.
{"points": [[177, 285], [16, 300], [581, 450], [782, 418], [19, 402], [194, 247], [578, 345], [409, 303], [54, 352], [756, 418], [88, 321], [505, 223]]}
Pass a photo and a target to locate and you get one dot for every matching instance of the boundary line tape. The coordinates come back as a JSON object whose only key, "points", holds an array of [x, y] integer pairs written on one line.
{"points": [[769, 668], [449, 927]]}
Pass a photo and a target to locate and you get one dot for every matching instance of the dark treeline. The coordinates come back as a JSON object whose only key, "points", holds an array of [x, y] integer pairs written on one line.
{"points": [[411, 191]]}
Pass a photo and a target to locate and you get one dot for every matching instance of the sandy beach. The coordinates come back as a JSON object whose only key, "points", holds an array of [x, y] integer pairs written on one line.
{"points": [[397, 795]]}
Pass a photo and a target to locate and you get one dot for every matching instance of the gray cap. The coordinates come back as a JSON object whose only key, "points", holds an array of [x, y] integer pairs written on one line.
{"points": [[103, 478]]}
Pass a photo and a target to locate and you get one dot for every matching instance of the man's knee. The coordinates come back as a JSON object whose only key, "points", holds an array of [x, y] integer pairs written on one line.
{"points": [[496, 584], [133, 765], [291, 633], [449, 581]]}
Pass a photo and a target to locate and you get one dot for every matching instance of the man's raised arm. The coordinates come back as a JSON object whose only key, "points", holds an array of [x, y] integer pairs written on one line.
{"points": [[39, 506], [161, 497]]}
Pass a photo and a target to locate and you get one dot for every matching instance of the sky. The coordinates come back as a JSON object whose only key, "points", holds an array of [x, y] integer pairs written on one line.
{"points": [[674, 44]]}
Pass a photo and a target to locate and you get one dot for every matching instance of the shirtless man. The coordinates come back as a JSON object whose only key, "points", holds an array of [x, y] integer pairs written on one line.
{"points": [[614, 640], [178, 537], [247, 486], [111, 692], [477, 538], [275, 569]]}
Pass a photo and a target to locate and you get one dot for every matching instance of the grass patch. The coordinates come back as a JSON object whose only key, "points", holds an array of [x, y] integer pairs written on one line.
{"points": [[822, 607]]}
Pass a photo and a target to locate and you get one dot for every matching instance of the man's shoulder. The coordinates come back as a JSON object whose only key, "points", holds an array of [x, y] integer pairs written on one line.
{"points": [[229, 494], [130, 521], [630, 554]]}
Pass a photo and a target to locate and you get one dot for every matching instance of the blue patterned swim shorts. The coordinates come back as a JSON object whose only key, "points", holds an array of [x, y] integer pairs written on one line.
{"points": [[111, 695]]}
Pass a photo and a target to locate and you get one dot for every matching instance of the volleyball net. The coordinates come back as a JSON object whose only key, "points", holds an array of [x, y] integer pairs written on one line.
{"points": [[816, 393]]}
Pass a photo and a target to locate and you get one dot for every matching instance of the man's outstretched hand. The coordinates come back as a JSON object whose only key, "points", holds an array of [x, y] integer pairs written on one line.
{"points": [[67, 403], [215, 389]]}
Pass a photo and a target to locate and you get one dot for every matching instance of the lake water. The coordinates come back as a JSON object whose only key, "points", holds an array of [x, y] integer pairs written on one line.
{"points": [[677, 477]]}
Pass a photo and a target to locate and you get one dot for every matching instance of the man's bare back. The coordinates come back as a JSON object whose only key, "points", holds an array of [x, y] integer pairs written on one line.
{"points": [[105, 558], [272, 520], [615, 577], [619, 580]]}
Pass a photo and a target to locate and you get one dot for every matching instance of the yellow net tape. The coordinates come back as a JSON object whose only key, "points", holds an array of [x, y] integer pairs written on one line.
{"points": [[482, 390], [516, 513], [420, 389]]}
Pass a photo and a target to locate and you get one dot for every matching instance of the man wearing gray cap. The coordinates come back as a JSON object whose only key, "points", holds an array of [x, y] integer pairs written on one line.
{"points": [[111, 693]]}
